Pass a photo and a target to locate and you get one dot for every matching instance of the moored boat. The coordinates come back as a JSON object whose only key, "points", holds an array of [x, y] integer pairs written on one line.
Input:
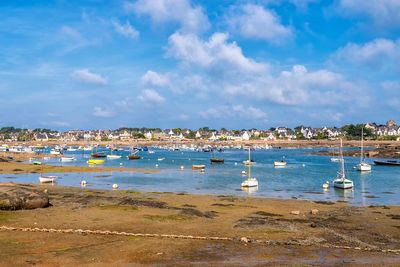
{"points": [[249, 182], [341, 181], [214, 160], [198, 167], [64, 159], [246, 162], [114, 156], [279, 163], [47, 179], [95, 161], [98, 155], [362, 166], [131, 157], [387, 162]]}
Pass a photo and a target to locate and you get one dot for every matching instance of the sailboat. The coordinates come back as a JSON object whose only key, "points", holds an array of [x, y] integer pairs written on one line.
{"points": [[341, 181], [98, 155], [215, 160], [281, 163], [45, 179], [111, 156], [250, 182], [334, 159], [131, 155], [363, 166]]}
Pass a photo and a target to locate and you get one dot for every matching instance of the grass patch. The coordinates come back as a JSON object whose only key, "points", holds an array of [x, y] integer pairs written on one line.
{"points": [[134, 238], [129, 192], [62, 249], [229, 198], [117, 207], [4, 216], [175, 217]]}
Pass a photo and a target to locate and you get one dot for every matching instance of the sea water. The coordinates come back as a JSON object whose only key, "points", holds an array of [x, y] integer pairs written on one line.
{"points": [[302, 178]]}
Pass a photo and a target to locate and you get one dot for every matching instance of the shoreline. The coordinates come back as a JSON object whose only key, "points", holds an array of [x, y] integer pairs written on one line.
{"points": [[299, 229]]}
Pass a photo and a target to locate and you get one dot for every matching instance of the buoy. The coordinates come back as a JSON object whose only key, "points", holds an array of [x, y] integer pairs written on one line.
{"points": [[303, 165], [156, 165], [115, 186], [325, 185], [354, 167], [83, 183], [235, 163], [182, 167], [202, 170], [244, 173], [120, 164], [172, 160], [189, 158]]}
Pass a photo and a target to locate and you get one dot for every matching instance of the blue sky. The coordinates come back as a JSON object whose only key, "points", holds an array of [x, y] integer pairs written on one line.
{"points": [[180, 63]]}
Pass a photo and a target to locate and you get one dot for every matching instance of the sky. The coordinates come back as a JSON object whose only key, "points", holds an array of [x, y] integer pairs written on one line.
{"points": [[188, 63]]}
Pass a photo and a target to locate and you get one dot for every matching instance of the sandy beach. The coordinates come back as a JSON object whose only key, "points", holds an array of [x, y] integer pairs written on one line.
{"points": [[253, 231]]}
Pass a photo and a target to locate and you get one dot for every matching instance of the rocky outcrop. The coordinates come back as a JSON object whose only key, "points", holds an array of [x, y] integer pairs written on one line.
{"points": [[17, 197]]}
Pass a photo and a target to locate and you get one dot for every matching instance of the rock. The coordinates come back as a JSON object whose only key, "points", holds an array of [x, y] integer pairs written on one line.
{"points": [[17, 197], [314, 211], [295, 212]]}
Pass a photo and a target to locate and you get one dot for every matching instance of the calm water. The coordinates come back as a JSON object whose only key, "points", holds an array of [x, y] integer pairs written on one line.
{"points": [[381, 186]]}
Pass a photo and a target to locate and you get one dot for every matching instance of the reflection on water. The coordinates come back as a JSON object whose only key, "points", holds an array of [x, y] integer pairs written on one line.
{"points": [[250, 190], [303, 179]]}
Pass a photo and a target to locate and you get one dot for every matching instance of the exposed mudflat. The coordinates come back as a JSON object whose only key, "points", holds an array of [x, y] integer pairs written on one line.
{"points": [[382, 151], [333, 234]]}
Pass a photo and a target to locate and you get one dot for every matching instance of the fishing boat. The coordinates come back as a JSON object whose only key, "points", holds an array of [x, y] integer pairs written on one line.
{"points": [[95, 161], [65, 159], [215, 160], [281, 163], [46, 179], [250, 182], [198, 167], [133, 156], [387, 162], [362, 166], [341, 181]]}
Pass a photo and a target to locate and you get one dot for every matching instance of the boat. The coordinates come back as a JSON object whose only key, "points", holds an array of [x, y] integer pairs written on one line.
{"points": [[111, 156], [64, 159], [71, 149], [160, 159], [151, 151], [133, 156], [55, 152], [362, 166], [281, 163], [387, 162], [95, 161], [98, 155], [341, 181], [246, 162], [335, 159], [250, 182], [46, 179], [215, 160], [198, 167]]}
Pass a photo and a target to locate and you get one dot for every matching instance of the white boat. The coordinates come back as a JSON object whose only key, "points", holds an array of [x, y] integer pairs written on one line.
{"points": [[246, 162], [71, 149], [64, 159], [335, 159], [363, 166], [151, 151], [55, 152], [161, 159], [114, 156], [341, 181], [47, 179], [279, 163], [250, 182]]}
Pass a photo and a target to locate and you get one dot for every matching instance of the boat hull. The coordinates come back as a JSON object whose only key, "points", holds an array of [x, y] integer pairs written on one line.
{"points": [[66, 159], [388, 162], [98, 155], [246, 162], [279, 163], [343, 184], [252, 182], [47, 179], [198, 167], [363, 167], [113, 156], [95, 161], [132, 157], [217, 160]]}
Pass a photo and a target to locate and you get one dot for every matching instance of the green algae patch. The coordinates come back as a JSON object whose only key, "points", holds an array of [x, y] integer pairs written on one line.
{"points": [[5, 216], [117, 207], [174, 217]]}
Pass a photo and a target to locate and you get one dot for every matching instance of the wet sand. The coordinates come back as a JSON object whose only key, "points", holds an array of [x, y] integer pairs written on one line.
{"points": [[336, 234]]}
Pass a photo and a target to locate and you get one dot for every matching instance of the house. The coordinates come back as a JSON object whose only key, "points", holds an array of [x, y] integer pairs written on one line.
{"points": [[245, 136], [148, 135]]}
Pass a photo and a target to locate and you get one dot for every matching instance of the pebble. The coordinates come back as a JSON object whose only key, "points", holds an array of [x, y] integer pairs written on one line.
{"points": [[244, 239], [295, 212], [314, 211]]}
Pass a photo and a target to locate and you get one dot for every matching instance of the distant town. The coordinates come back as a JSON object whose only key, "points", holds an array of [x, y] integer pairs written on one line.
{"points": [[372, 131]]}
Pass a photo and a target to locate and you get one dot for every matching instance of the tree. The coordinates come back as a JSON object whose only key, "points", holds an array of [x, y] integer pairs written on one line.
{"points": [[298, 128], [272, 129], [300, 136], [191, 135]]}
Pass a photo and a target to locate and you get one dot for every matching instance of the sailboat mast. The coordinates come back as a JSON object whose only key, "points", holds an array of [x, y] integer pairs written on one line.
{"points": [[341, 159], [41, 165], [249, 163], [362, 145]]}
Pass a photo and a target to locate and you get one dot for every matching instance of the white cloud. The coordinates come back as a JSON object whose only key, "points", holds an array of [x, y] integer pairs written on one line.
{"points": [[83, 75], [100, 112], [214, 54], [191, 19], [151, 97], [60, 123], [182, 117], [238, 111], [253, 21], [382, 12], [375, 53], [126, 30], [154, 79]]}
